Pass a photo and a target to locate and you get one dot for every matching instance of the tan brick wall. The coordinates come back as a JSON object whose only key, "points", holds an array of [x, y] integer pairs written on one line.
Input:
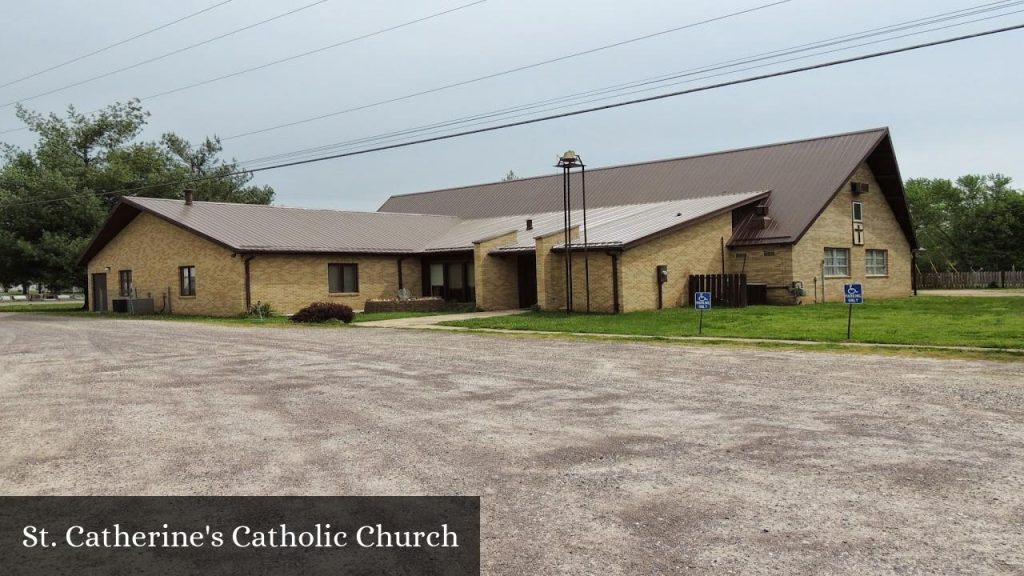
{"points": [[833, 229], [692, 250], [769, 264], [600, 282], [154, 249], [551, 270], [497, 286], [288, 282], [412, 275]]}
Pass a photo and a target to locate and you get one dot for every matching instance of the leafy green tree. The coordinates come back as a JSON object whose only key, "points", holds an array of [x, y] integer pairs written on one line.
{"points": [[975, 223], [54, 197]]}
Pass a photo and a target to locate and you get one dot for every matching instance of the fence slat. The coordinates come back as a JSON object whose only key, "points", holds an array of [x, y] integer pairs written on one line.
{"points": [[968, 280], [726, 289]]}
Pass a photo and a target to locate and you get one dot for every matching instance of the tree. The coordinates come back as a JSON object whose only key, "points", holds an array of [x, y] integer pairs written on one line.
{"points": [[55, 196], [975, 223], [510, 177]]}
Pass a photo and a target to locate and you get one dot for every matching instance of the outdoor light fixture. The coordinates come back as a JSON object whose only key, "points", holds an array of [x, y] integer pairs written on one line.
{"points": [[567, 161]]}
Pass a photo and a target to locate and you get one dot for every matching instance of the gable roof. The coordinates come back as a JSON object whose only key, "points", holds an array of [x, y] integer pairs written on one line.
{"points": [[261, 228], [803, 176], [248, 228], [608, 227]]}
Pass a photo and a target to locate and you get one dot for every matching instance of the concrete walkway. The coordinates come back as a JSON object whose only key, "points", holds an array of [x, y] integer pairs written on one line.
{"points": [[432, 321]]}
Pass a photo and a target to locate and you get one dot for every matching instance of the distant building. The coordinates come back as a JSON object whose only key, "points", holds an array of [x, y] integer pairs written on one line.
{"points": [[799, 219]]}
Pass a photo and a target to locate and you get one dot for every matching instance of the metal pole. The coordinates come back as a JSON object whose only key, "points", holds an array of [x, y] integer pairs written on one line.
{"points": [[849, 322], [568, 236], [700, 329], [586, 254], [565, 232]]}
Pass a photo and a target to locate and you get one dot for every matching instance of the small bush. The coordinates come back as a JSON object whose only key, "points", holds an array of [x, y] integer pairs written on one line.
{"points": [[260, 310], [324, 311]]}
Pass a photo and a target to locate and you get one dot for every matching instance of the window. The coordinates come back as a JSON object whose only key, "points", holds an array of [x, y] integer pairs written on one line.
{"points": [[124, 278], [342, 278], [858, 211], [187, 284], [837, 261], [876, 262], [769, 252]]}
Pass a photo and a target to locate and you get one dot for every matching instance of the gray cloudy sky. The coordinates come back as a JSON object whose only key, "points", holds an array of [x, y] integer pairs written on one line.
{"points": [[953, 109]]}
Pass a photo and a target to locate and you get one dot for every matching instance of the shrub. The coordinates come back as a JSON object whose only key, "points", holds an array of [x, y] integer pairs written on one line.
{"points": [[324, 311], [260, 310]]}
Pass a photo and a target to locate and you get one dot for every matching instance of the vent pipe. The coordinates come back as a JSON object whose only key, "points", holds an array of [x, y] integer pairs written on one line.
{"points": [[188, 196]]}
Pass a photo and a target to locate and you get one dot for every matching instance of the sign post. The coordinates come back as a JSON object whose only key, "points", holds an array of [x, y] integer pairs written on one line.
{"points": [[854, 294], [702, 302]]}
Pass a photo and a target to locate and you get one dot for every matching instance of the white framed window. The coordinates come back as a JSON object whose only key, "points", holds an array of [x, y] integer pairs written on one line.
{"points": [[837, 262], [876, 262], [858, 211]]}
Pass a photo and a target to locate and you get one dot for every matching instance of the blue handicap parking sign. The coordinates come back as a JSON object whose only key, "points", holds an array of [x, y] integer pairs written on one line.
{"points": [[854, 293], [702, 300]]}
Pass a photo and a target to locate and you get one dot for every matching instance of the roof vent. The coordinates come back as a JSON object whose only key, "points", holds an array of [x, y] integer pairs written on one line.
{"points": [[860, 187], [761, 209], [766, 221], [529, 223], [188, 196]]}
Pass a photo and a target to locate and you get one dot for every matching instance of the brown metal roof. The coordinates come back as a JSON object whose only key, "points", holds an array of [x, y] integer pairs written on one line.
{"points": [[260, 228], [802, 175]]}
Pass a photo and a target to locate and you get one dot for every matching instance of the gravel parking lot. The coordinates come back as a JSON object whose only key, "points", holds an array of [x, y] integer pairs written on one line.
{"points": [[590, 457]]}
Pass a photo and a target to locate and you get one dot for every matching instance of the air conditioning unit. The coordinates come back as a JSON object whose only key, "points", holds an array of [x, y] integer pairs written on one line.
{"points": [[860, 187]]}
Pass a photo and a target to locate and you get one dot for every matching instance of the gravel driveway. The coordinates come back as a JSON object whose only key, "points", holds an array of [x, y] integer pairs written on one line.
{"points": [[591, 457]]}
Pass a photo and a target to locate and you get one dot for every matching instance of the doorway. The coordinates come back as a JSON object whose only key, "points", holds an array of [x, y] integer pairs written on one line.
{"points": [[452, 280], [527, 274], [99, 292]]}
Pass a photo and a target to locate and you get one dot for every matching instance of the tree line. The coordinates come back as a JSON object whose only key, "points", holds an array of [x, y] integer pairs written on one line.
{"points": [[973, 223], [55, 196]]}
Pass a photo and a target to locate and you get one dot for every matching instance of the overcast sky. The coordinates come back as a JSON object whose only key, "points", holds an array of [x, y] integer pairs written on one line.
{"points": [[953, 109]]}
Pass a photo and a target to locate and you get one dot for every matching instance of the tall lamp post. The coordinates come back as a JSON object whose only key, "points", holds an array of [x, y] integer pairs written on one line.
{"points": [[567, 162]]}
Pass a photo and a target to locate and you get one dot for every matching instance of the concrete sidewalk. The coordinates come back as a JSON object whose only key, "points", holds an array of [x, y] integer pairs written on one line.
{"points": [[432, 321]]}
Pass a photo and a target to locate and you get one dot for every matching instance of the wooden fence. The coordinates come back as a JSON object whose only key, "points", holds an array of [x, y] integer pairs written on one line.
{"points": [[726, 289], [965, 280]]}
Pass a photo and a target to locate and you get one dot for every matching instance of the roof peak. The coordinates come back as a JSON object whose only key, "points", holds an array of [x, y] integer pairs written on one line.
{"points": [[880, 129], [145, 199]]}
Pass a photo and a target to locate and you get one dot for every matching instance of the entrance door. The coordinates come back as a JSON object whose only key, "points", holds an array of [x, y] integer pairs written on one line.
{"points": [[99, 292], [527, 273]]}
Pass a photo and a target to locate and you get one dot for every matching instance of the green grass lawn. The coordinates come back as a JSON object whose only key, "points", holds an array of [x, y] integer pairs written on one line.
{"points": [[947, 321], [75, 309]]}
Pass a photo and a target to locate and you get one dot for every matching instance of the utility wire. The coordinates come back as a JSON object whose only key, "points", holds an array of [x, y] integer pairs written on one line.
{"points": [[165, 55], [508, 71], [616, 90], [115, 44], [740, 81], [310, 52]]}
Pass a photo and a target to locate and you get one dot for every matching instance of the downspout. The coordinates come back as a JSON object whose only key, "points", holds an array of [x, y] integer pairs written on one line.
{"points": [[248, 281], [723, 255], [913, 271], [401, 283]]}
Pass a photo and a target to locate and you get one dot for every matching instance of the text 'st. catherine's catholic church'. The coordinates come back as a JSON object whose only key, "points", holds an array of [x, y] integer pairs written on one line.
{"points": [[799, 219]]}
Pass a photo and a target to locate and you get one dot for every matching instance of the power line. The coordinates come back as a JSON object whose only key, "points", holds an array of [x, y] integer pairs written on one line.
{"points": [[115, 44], [165, 55], [746, 80], [310, 52], [508, 71], [616, 90]]}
